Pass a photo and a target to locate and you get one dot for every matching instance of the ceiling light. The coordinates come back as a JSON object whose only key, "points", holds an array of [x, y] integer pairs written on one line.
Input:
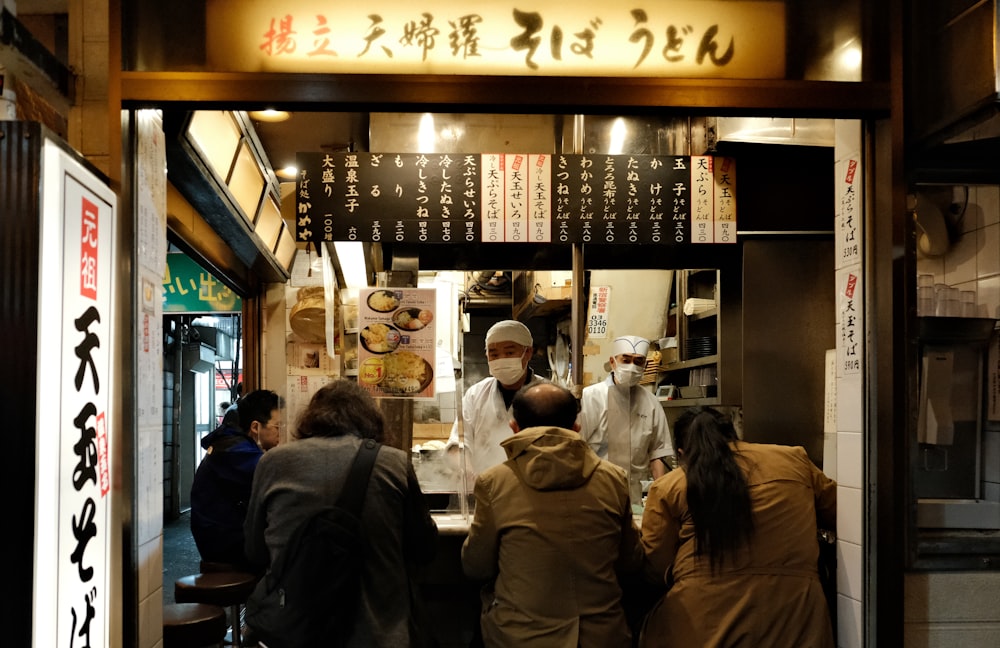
{"points": [[273, 116], [618, 131], [287, 173], [425, 134]]}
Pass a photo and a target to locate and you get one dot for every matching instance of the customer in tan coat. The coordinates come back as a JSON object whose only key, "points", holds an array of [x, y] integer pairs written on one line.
{"points": [[734, 535], [553, 526]]}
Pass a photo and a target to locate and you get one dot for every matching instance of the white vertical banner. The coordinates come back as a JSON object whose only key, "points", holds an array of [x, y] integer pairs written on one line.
{"points": [[702, 199], [848, 212], [725, 199], [850, 322], [515, 216], [76, 429], [540, 199], [600, 302], [492, 192]]}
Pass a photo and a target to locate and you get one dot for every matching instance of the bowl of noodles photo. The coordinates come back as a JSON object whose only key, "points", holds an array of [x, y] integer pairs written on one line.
{"points": [[412, 319], [406, 373], [383, 301], [379, 338]]}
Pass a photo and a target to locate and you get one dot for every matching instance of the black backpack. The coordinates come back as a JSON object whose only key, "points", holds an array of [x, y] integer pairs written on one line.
{"points": [[310, 596]]}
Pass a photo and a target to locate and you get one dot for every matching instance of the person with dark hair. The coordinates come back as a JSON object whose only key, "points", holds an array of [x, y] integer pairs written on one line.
{"points": [[221, 487], [552, 534], [230, 411], [734, 536], [295, 480]]}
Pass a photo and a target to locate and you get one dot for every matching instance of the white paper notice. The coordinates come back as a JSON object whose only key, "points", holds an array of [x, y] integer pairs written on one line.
{"points": [[600, 302]]}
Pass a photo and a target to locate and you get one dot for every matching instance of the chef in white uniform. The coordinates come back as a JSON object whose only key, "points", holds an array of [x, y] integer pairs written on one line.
{"points": [[486, 405], [623, 422]]}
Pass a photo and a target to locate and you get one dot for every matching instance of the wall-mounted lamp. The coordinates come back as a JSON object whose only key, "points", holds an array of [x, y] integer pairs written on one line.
{"points": [[284, 249], [268, 224], [270, 115], [216, 160]]}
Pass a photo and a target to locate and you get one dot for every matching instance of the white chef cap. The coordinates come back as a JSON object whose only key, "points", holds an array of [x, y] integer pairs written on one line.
{"points": [[509, 331], [630, 344]]}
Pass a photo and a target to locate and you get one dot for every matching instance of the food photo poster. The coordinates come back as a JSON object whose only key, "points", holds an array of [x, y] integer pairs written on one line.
{"points": [[396, 342]]}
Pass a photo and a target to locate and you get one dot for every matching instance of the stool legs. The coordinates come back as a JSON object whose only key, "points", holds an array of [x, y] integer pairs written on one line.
{"points": [[234, 612], [226, 589]]}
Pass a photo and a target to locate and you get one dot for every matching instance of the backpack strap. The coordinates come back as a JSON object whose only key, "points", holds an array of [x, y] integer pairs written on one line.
{"points": [[352, 497]]}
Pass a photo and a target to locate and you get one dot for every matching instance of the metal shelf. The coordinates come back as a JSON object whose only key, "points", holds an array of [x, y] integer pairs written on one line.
{"points": [[689, 364], [712, 312], [689, 402]]}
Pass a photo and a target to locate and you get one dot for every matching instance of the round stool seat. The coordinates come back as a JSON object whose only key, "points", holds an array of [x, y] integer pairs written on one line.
{"points": [[186, 625], [219, 588]]}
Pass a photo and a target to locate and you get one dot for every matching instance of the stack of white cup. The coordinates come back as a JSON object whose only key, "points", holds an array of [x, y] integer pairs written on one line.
{"points": [[942, 300], [925, 295], [968, 300]]}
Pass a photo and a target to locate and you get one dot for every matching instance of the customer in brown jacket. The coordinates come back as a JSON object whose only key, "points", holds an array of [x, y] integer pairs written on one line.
{"points": [[734, 535], [553, 526]]}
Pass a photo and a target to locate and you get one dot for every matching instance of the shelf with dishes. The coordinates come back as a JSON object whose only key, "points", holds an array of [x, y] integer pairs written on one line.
{"points": [[690, 362]]}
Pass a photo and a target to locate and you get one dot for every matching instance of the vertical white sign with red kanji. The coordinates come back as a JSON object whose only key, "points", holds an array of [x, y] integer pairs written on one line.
{"points": [[725, 200], [702, 199], [597, 321], [540, 198], [76, 429]]}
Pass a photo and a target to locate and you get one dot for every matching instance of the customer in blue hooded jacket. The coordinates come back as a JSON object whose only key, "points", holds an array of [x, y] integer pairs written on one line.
{"points": [[221, 488]]}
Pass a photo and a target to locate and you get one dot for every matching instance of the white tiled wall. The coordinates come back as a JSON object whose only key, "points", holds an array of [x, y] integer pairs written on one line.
{"points": [[959, 608], [973, 260], [849, 445], [973, 263], [945, 609]]}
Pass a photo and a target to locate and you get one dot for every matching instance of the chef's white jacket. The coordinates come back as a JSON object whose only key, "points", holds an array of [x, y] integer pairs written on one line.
{"points": [[486, 422], [607, 410]]}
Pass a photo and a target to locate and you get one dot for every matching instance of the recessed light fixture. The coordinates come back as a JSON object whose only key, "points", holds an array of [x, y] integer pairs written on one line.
{"points": [[287, 173], [269, 115]]}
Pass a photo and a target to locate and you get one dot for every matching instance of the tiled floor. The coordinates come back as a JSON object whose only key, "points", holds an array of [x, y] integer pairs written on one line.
{"points": [[180, 555]]}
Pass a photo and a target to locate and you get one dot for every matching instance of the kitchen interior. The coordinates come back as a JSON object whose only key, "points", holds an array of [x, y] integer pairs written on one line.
{"points": [[737, 326], [740, 326]]}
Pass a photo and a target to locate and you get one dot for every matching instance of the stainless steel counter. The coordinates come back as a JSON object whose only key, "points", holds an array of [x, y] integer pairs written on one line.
{"points": [[451, 523], [456, 524]]}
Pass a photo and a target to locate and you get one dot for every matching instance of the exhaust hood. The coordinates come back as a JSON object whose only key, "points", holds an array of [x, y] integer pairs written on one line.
{"points": [[954, 90]]}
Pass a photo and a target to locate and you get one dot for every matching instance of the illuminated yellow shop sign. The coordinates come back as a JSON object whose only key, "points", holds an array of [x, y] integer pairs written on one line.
{"points": [[655, 38]]}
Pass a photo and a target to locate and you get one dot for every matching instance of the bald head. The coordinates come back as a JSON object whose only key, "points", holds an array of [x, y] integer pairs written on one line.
{"points": [[545, 404]]}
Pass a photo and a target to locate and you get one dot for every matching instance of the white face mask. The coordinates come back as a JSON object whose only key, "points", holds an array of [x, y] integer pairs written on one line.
{"points": [[507, 370], [627, 375]]}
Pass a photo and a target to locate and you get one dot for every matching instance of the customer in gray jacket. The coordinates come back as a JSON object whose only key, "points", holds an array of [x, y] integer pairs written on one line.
{"points": [[295, 480]]}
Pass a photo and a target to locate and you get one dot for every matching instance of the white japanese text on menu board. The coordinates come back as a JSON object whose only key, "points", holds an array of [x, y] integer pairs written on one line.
{"points": [[516, 198], [396, 341]]}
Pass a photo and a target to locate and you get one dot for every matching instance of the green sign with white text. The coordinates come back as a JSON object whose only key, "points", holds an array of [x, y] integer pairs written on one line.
{"points": [[189, 288]]}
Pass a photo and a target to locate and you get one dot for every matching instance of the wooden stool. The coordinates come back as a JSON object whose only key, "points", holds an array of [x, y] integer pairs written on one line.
{"points": [[225, 589], [186, 625]]}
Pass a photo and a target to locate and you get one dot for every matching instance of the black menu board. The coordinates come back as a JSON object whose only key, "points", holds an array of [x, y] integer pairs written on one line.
{"points": [[515, 198]]}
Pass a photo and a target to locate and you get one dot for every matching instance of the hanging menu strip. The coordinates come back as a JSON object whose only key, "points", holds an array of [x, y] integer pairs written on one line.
{"points": [[515, 198]]}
